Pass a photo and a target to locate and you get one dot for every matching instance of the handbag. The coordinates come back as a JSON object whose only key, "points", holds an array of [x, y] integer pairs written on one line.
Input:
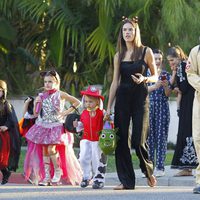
{"points": [[68, 125], [108, 138]]}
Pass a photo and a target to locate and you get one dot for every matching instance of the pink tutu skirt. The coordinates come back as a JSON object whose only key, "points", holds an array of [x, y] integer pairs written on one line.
{"points": [[49, 133], [34, 165]]}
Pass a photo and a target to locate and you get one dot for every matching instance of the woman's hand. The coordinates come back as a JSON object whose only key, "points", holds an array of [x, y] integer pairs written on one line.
{"points": [[138, 78]]}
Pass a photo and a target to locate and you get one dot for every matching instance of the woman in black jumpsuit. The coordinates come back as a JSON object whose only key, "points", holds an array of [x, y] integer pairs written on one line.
{"points": [[129, 87]]}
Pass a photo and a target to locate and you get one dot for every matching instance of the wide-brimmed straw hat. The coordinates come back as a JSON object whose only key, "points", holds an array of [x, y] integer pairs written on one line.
{"points": [[92, 91]]}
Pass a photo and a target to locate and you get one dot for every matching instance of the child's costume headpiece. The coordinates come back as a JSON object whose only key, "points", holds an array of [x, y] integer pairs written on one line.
{"points": [[92, 91], [50, 73], [134, 20]]}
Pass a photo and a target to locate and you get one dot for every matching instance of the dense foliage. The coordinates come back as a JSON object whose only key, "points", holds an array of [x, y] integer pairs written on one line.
{"points": [[41, 34]]}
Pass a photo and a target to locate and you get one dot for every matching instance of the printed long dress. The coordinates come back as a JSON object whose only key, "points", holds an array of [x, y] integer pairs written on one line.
{"points": [[159, 119], [184, 155]]}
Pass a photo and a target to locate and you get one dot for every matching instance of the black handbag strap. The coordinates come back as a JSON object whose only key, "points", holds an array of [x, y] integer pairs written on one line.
{"points": [[75, 109]]}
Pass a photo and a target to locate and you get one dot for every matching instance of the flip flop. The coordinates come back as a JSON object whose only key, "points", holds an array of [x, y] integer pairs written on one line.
{"points": [[151, 181]]}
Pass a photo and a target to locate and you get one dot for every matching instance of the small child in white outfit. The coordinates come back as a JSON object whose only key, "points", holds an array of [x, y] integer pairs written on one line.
{"points": [[92, 159]]}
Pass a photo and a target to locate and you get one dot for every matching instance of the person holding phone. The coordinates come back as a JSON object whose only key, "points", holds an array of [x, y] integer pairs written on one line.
{"points": [[159, 116]]}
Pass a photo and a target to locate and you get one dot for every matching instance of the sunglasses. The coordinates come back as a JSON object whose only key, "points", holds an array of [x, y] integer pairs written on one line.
{"points": [[49, 73]]}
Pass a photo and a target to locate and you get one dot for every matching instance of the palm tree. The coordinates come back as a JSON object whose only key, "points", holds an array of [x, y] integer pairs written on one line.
{"points": [[67, 33], [49, 29], [161, 22], [13, 57]]}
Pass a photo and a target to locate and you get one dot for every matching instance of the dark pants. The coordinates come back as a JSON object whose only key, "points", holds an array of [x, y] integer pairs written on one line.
{"points": [[132, 103]]}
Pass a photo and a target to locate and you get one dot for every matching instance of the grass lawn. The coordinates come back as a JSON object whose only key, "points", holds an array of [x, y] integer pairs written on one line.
{"points": [[111, 161]]}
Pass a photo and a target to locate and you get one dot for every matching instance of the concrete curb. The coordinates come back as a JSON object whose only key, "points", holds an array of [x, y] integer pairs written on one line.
{"points": [[112, 179], [167, 180]]}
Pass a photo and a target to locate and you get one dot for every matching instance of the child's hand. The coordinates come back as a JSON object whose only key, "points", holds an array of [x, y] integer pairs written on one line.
{"points": [[158, 84], [165, 83], [176, 90], [107, 115], [38, 99], [174, 69], [28, 100], [61, 115], [3, 128], [37, 105]]}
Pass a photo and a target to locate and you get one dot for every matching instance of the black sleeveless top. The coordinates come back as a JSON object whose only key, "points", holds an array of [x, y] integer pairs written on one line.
{"points": [[128, 68]]}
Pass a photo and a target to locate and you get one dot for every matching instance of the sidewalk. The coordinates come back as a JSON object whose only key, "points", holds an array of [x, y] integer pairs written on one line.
{"points": [[167, 180], [111, 179]]}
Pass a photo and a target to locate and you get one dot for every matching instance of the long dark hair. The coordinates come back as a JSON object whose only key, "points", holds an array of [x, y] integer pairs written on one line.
{"points": [[157, 51], [121, 44], [177, 52], [52, 73]]}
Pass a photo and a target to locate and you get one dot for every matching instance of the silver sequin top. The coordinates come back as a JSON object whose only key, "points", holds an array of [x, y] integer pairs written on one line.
{"points": [[51, 106]]}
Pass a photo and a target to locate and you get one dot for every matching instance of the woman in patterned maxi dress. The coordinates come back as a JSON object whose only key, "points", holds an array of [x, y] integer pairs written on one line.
{"points": [[184, 157]]}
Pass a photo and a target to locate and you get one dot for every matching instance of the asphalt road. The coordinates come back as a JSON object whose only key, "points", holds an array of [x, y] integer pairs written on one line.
{"points": [[30, 192]]}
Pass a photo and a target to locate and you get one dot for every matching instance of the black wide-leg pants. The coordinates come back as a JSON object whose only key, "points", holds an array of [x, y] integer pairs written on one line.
{"points": [[132, 103]]}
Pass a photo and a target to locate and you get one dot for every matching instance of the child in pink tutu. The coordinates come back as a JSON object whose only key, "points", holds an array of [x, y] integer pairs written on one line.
{"points": [[50, 154]]}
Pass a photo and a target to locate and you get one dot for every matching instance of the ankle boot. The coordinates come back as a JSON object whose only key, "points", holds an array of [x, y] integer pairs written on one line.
{"points": [[57, 169], [6, 174], [47, 179]]}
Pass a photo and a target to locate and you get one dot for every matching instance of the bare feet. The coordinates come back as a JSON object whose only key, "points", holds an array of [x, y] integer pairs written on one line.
{"points": [[119, 187], [122, 187]]}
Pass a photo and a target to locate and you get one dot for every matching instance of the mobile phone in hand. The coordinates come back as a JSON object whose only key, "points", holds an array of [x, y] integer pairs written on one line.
{"points": [[163, 77]]}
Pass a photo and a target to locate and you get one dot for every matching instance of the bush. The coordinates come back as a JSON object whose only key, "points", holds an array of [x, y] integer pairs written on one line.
{"points": [[170, 146]]}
